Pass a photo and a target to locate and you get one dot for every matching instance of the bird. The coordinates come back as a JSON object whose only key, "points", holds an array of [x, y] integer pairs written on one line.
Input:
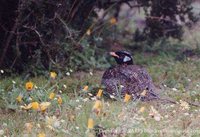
{"points": [[127, 78], [134, 80]]}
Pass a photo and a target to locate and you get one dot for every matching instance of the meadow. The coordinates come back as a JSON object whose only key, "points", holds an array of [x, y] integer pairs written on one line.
{"points": [[58, 91], [71, 104]]}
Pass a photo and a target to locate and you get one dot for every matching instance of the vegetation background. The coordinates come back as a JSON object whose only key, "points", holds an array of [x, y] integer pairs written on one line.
{"points": [[71, 39]]}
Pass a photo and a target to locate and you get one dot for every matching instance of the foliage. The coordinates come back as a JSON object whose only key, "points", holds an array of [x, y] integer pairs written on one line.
{"points": [[47, 35], [164, 18], [61, 34], [167, 18]]}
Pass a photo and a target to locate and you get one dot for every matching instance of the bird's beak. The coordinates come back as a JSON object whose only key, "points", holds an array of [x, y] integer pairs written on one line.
{"points": [[114, 54]]}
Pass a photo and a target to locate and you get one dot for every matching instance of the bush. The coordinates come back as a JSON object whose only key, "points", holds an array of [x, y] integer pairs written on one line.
{"points": [[53, 34]]}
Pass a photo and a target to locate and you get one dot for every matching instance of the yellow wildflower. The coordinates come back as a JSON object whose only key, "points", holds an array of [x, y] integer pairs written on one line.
{"points": [[99, 94], [59, 100], [127, 98], [142, 109], [28, 127], [85, 88], [19, 98], [97, 107], [35, 105], [113, 21], [88, 32], [184, 105], [41, 135], [143, 93], [26, 107], [44, 106], [51, 95], [71, 118], [53, 75], [29, 86], [90, 123]]}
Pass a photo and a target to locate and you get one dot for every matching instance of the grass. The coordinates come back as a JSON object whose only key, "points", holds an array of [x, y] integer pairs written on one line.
{"points": [[178, 79]]}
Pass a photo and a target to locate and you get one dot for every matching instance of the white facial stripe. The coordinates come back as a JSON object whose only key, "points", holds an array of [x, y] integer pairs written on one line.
{"points": [[126, 58]]}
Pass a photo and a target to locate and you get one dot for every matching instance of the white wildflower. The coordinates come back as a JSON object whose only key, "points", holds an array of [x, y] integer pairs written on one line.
{"points": [[107, 104], [30, 99], [65, 86], [166, 116], [157, 118], [67, 73], [172, 105], [62, 120], [91, 73], [77, 128], [52, 122], [186, 114], [90, 94], [85, 99], [93, 98], [111, 96], [2, 71], [1, 132], [36, 87], [56, 124], [154, 113], [38, 125]]}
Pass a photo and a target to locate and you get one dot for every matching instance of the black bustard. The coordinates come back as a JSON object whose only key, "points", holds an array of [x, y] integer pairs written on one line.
{"points": [[127, 78]]}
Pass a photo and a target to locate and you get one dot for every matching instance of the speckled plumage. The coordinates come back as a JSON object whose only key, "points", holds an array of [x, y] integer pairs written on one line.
{"points": [[132, 79]]}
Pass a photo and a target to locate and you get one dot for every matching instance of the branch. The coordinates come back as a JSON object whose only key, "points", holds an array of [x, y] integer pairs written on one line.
{"points": [[38, 34], [133, 6], [10, 36], [160, 18], [119, 1]]}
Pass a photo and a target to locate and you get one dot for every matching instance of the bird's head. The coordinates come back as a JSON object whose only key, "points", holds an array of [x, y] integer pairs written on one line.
{"points": [[122, 57]]}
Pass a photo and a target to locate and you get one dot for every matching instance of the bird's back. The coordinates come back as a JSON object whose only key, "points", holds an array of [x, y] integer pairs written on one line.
{"points": [[131, 79]]}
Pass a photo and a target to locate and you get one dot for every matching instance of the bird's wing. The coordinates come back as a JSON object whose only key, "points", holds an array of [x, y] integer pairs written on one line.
{"points": [[111, 80], [135, 74], [132, 78], [109, 73], [137, 79]]}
